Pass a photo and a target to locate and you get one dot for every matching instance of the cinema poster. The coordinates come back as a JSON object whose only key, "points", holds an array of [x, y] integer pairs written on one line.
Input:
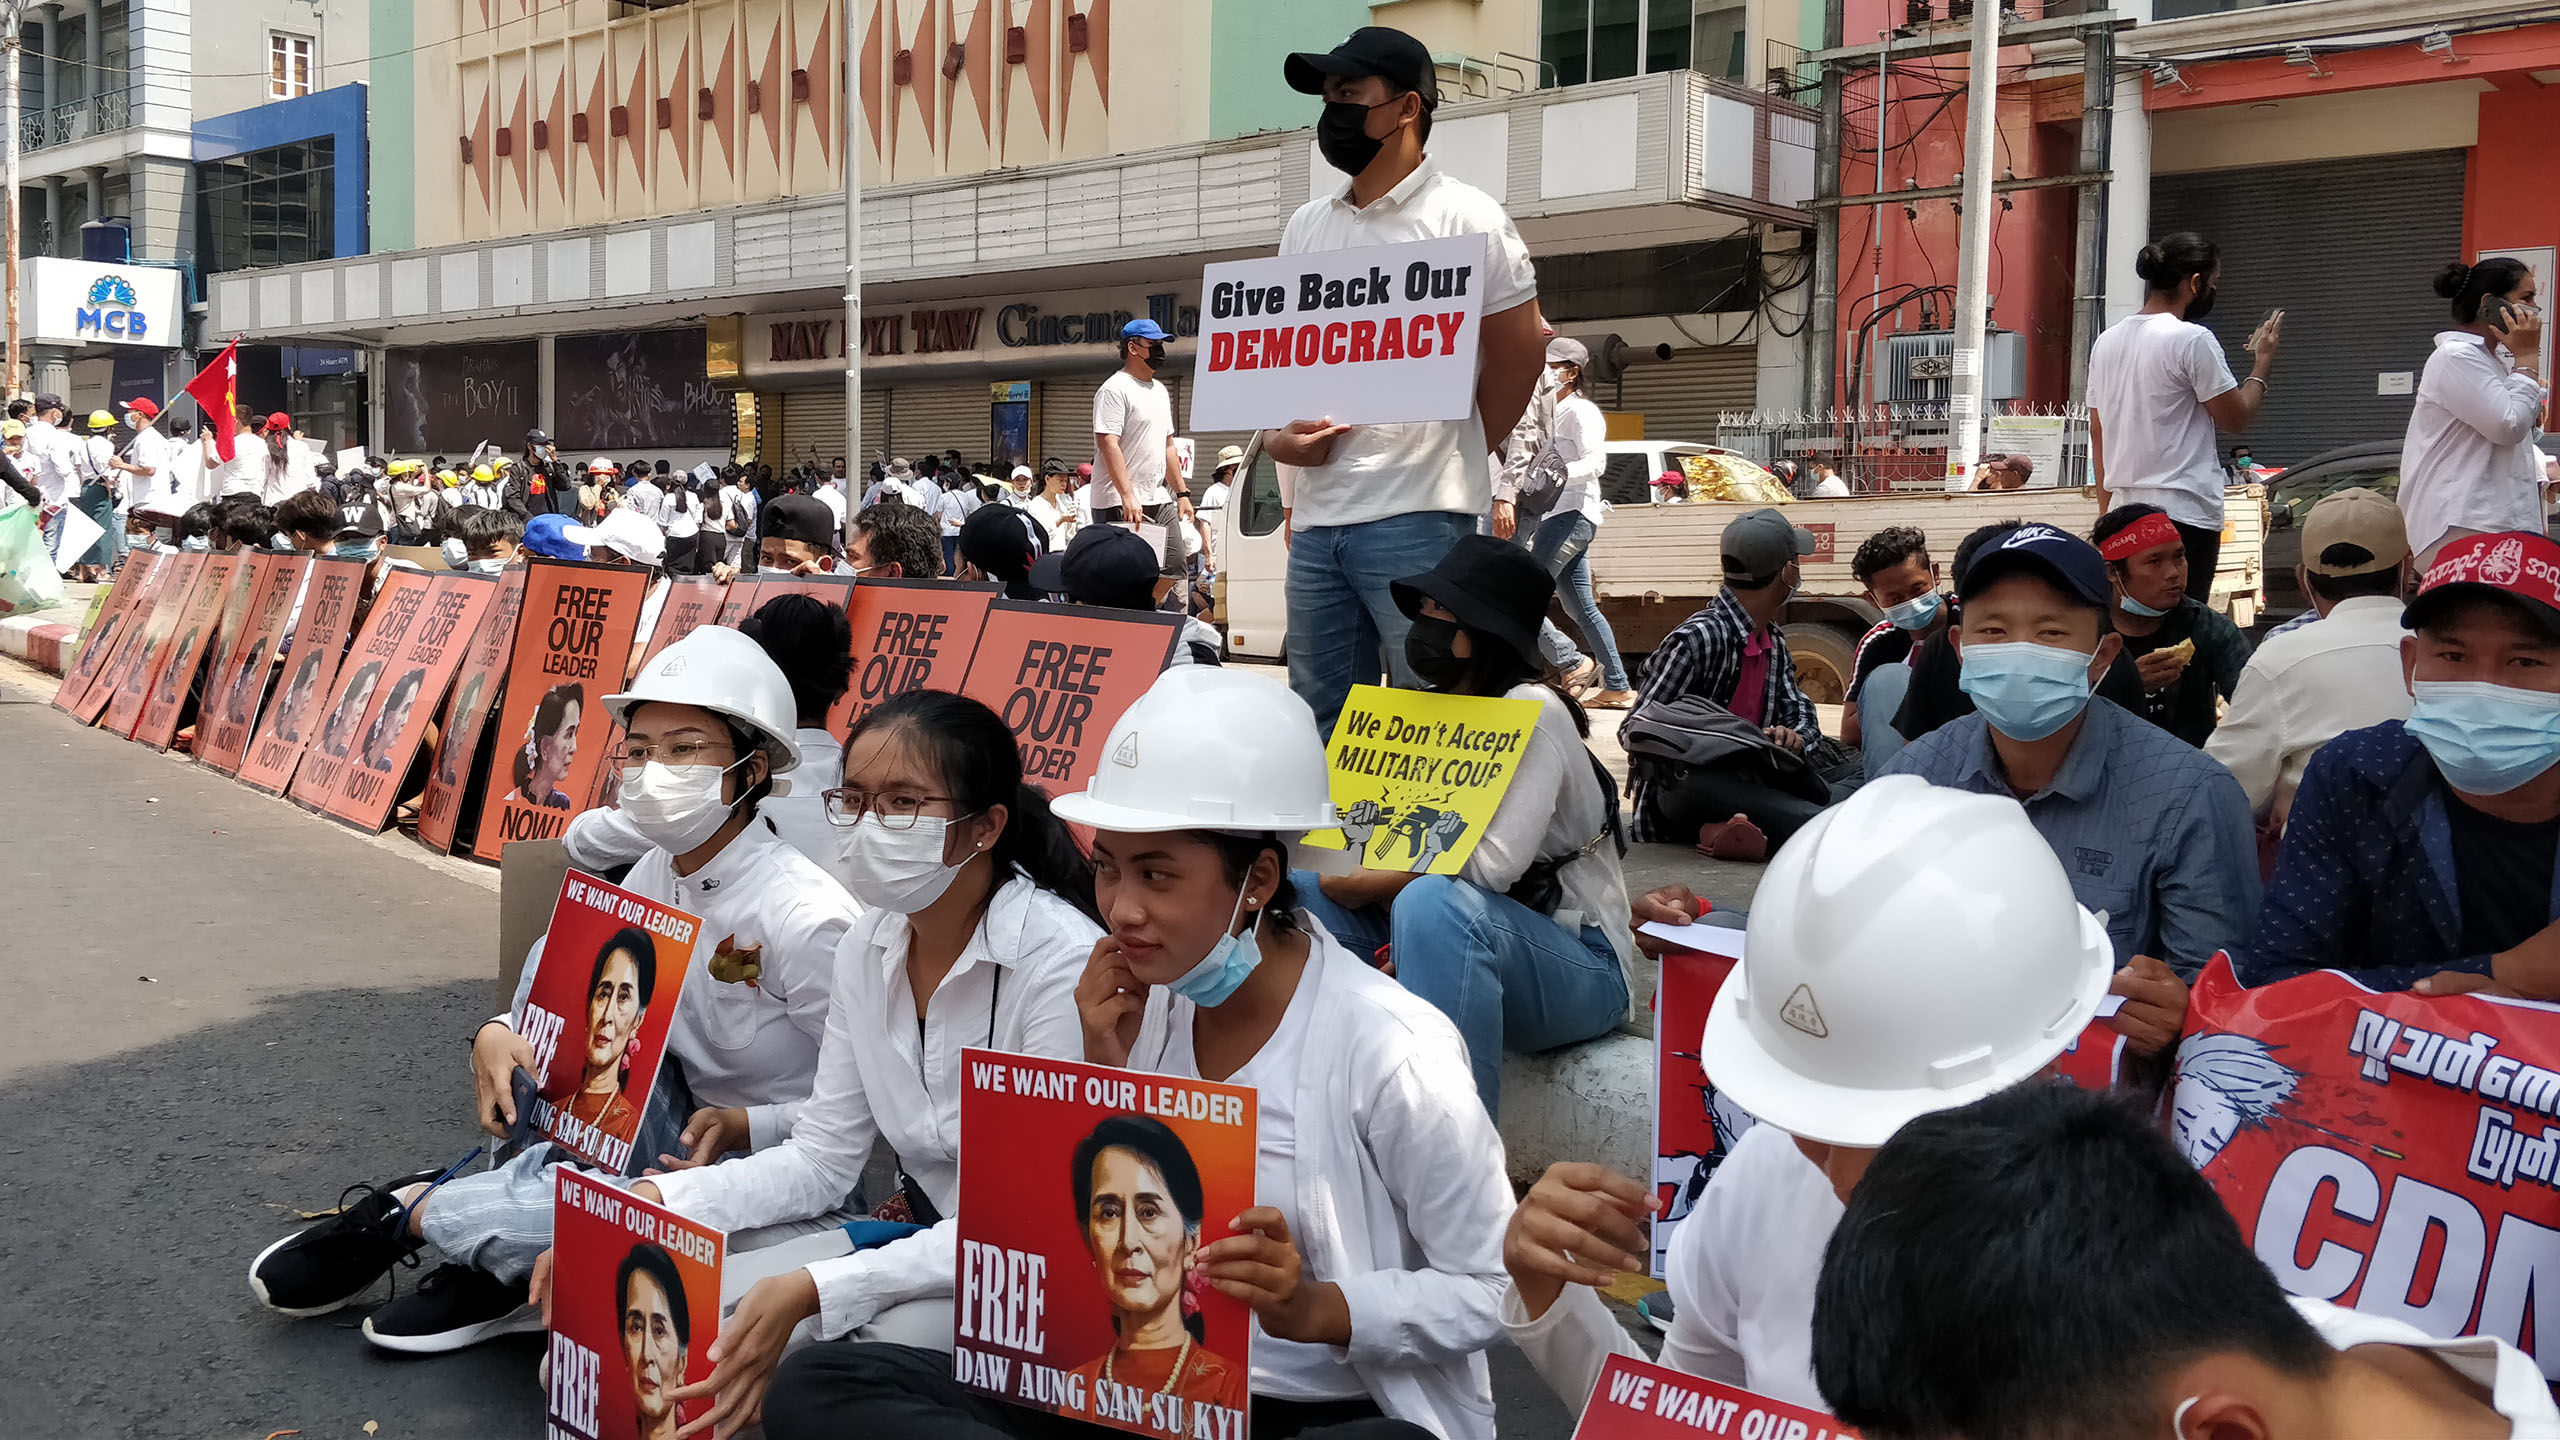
{"points": [[635, 1305], [604, 992], [420, 668], [1084, 1194], [574, 636], [1062, 676], [318, 642], [466, 717], [910, 635]]}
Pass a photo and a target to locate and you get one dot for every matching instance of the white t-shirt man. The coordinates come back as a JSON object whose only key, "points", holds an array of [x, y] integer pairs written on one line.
{"points": [[52, 462], [644, 496], [1377, 472], [149, 449], [2149, 376], [1140, 413]]}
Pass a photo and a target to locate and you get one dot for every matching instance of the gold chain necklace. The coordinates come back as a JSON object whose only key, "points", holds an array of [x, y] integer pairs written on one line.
{"points": [[1181, 1358]]}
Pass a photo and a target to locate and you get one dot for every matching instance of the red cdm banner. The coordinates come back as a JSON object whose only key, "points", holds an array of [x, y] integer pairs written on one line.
{"points": [[635, 1305], [908, 635], [475, 693], [1061, 675], [229, 714], [1084, 1194], [2393, 1153], [1636, 1400]]}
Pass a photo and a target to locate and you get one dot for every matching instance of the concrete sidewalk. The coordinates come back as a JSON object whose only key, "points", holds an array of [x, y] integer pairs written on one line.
{"points": [[48, 638]]}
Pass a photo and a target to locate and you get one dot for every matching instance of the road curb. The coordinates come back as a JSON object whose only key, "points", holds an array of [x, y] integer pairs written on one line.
{"points": [[41, 639]]}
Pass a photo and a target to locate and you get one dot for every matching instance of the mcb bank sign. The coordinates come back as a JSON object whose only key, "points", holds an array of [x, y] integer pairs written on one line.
{"points": [[81, 302]]}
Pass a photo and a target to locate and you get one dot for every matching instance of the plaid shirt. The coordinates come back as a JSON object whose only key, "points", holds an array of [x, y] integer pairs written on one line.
{"points": [[1704, 657]]}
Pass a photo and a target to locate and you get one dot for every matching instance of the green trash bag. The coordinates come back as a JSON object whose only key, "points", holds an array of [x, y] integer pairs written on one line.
{"points": [[28, 580]]}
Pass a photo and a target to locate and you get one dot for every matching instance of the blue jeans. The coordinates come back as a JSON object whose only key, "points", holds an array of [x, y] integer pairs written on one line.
{"points": [[1340, 612], [1510, 977], [1562, 545], [1879, 700]]}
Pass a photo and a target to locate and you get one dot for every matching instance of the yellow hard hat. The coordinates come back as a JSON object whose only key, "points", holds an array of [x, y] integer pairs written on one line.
{"points": [[483, 474], [101, 420], [449, 477], [400, 467]]}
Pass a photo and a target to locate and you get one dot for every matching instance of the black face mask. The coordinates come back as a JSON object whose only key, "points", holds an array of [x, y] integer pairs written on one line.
{"points": [[1342, 136], [1427, 651], [2202, 305], [1155, 354]]}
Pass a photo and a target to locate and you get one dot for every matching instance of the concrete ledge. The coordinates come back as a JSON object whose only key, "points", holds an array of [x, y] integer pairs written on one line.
{"points": [[42, 639], [1592, 1101]]}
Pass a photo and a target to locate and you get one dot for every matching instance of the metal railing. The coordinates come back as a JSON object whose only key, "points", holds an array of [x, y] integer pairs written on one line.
{"points": [[99, 114], [1880, 448]]}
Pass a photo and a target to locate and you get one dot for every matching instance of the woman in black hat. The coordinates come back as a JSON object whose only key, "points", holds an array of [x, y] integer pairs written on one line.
{"points": [[1526, 947]]}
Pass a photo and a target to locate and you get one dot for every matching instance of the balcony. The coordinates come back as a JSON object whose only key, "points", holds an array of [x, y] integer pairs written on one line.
{"points": [[100, 114]]}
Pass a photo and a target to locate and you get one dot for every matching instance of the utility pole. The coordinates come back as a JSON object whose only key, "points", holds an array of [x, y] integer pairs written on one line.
{"points": [[1973, 265], [2089, 258], [845, 98], [13, 15], [1822, 311]]}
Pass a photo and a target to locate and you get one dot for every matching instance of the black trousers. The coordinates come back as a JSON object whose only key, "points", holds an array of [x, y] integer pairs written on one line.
{"points": [[2204, 551], [899, 1392]]}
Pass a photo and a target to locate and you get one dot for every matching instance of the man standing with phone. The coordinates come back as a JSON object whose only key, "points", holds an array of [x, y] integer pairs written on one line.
{"points": [[1137, 476]]}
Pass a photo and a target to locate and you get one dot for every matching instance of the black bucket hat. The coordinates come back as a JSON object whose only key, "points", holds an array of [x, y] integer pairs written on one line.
{"points": [[1494, 588]]}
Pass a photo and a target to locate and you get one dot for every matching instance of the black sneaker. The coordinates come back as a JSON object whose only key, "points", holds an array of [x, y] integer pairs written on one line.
{"points": [[454, 1307], [323, 1267]]}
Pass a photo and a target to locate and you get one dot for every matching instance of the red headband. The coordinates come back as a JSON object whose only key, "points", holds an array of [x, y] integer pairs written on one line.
{"points": [[2139, 536]]}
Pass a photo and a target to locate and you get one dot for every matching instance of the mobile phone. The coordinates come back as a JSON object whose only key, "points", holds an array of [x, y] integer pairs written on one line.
{"points": [[2496, 311], [527, 1090]]}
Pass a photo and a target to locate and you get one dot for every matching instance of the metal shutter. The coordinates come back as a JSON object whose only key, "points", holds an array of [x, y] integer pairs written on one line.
{"points": [[1066, 417], [2379, 226], [936, 418], [812, 424], [1679, 397]]}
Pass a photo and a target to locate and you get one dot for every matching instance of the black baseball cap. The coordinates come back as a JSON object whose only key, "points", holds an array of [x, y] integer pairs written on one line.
{"points": [[798, 517], [1104, 565], [2059, 556], [997, 539], [1391, 55]]}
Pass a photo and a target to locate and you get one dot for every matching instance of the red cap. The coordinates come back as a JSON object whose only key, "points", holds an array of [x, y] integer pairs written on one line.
{"points": [[144, 408], [278, 421], [2517, 563], [1084, 472]]}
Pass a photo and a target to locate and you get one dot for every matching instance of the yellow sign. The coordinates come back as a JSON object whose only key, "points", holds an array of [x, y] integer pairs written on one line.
{"points": [[1417, 776]]}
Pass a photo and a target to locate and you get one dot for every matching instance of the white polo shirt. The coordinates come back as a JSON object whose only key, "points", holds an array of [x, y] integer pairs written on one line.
{"points": [[1381, 471], [2149, 376]]}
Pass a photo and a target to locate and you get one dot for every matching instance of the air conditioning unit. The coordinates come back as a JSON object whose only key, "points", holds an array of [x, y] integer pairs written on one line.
{"points": [[1919, 366]]}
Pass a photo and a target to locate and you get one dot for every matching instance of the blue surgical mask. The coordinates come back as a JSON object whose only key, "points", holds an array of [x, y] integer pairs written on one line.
{"points": [[2485, 739], [1209, 983], [456, 554], [2132, 606], [2025, 691], [489, 566], [195, 545], [1917, 613], [356, 549]]}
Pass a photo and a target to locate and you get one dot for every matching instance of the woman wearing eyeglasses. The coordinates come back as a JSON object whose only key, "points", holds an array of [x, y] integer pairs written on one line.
{"points": [[980, 920]]}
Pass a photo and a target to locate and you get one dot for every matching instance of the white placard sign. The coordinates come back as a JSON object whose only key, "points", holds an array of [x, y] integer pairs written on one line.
{"points": [[1384, 335], [2038, 437]]}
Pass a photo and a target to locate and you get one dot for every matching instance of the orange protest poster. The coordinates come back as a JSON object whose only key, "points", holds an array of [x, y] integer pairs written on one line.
{"points": [[364, 676], [604, 992], [1084, 1194], [420, 669], [100, 644], [635, 1305], [573, 643], [229, 714], [1061, 675], [475, 690], [146, 650], [690, 604], [157, 725], [748, 593], [1636, 1400], [909, 635], [220, 645], [311, 670]]}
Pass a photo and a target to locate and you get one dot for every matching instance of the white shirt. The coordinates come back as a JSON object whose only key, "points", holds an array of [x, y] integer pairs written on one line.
{"points": [[1552, 806], [831, 495], [1057, 515], [51, 462], [953, 511], [1140, 414], [750, 1046], [2149, 376], [2515, 1384], [1213, 498], [1012, 989], [1831, 487], [2303, 689], [645, 497], [1379, 471], [1741, 1271], [97, 457], [1577, 441], [275, 479], [2468, 459], [684, 515], [1396, 1193], [604, 837], [149, 449]]}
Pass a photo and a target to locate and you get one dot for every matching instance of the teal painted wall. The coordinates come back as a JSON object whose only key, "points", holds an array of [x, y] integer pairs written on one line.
{"points": [[1247, 40], [392, 132]]}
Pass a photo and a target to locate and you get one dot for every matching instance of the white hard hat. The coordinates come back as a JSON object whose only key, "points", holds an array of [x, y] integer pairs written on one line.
{"points": [[727, 674], [1911, 950], [1209, 749], [626, 532]]}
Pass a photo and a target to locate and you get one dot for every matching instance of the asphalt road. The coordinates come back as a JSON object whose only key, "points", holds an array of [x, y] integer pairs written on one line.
{"points": [[222, 1010]]}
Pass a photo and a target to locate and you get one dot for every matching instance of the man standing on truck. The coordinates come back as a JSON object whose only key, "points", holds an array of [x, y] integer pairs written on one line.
{"points": [[1375, 503]]}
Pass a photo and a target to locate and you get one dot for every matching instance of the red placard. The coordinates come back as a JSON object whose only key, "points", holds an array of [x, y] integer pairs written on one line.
{"points": [[909, 635], [1083, 1310], [476, 686], [572, 648], [157, 725], [363, 678], [329, 600], [146, 650], [2396, 1154], [1695, 1125], [229, 715], [98, 647], [418, 674], [605, 987], [1638, 1400], [1061, 675], [635, 1305]]}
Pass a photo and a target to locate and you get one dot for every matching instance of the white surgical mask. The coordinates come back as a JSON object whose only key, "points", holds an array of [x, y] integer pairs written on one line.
{"points": [[896, 870], [677, 806]]}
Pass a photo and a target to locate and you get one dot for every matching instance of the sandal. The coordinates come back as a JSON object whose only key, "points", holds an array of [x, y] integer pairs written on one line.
{"points": [[1585, 676], [1609, 700], [1734, 839]]}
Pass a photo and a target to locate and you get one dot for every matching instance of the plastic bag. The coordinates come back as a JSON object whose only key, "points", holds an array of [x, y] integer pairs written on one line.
{"points": [[28, 580]]}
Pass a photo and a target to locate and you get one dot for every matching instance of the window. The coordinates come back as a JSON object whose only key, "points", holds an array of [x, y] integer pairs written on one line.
{"points": [[288, 65], [268, 207], [1585, 40]]}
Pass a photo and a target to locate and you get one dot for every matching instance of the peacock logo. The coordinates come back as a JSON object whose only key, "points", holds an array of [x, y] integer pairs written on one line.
{"points": [[111, 312]]}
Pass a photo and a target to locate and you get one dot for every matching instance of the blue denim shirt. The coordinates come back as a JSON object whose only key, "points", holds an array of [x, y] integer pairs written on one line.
{"points": [[2152, 832], [2365, 882]]}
